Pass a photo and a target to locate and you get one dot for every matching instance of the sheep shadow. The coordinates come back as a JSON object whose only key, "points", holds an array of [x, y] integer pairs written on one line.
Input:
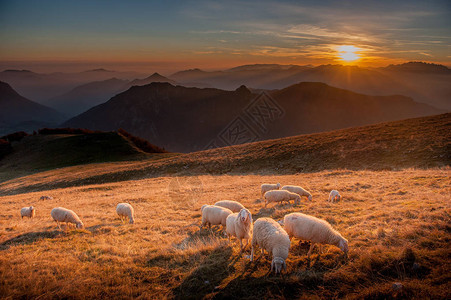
{"points": [[249, 286], [206, 278], [29, 238]]}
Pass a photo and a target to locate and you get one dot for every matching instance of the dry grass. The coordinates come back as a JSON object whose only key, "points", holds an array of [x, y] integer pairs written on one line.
{"points": [[397, 222]]}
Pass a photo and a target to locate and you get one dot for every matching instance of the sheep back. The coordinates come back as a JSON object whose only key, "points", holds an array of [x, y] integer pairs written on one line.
{"points": [[234, 206]]}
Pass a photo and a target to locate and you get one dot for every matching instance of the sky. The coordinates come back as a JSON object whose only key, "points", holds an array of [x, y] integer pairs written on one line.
{"points": [[174, 35]]}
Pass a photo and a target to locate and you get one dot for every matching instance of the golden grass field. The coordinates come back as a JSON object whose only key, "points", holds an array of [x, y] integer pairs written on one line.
{"points": [[397, 223]]}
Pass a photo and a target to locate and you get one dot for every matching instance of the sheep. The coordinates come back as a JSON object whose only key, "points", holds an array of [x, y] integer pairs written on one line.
{"points": [[270, 236], [315, 230], [28, 212], [298, 190], [240, 225], [61, 214], [125, 210], [334, 194], [234, 206], [269, 187], [214, 215], [281, 195], [46, 198]]}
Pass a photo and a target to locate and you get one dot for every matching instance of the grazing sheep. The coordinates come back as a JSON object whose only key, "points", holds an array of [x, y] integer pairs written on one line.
{"points": [[125, 210], [309, 228], [214, 215], [46, 198], [240, 225], [61, 214], [281, 195], [297, 190], [234, 206], [334, 195], [28, 212], [269, 187], [270, 236]]}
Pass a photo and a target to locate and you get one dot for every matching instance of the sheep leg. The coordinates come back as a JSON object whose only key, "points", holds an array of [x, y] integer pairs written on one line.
{"points": [[58, 224], [241, 245], [247, 242], [310, 251], [252, 253]]}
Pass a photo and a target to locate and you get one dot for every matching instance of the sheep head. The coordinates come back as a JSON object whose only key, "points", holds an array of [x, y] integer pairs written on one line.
{"points": [[343, 245], [278, 264], [80, 225], [244, 215]]}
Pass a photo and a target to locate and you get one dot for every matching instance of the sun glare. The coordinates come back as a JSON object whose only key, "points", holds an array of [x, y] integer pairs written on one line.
{"points": [[348, 53]]}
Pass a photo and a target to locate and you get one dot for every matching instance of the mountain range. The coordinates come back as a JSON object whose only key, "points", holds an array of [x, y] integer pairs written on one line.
{"points": [[427, 83], [182, 119]]}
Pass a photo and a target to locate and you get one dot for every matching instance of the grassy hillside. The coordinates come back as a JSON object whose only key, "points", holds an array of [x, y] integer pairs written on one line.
{"points": [[397, 224], [37, 153], [414, 143]]}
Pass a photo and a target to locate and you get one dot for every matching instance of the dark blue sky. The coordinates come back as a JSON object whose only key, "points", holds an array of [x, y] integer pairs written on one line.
{"points": [[225, 33]]}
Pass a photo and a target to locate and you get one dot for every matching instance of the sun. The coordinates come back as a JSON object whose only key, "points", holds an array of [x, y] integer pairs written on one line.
{"points": [[348, 53]]}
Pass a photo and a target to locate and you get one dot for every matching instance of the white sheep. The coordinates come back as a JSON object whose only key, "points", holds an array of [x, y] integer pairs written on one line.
{"points": [[61, 214], [269, 187], [270, 236], [281, 195], [298, 190], [214, 215], [28, 212], [315, 230], [125, 210], [334, 195], [240, 225], [234, 206]]}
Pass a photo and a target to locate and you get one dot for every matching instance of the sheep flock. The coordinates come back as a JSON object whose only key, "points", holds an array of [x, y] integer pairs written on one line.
{"points": [[271, 236]]}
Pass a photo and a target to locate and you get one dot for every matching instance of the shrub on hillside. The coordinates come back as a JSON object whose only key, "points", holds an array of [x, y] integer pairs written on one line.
{"points": [[14, 137], [5, 148], [66, 131], [141, 143]]}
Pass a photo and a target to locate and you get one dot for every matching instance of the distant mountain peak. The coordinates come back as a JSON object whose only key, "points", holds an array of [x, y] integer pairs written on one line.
{"points": [[419, 66], [243, 90], [99, 70], [17, 71]]}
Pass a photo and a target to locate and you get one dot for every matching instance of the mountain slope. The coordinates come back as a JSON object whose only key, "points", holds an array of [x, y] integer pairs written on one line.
{"points": [[414, 143], [17, 111], [191, 119], [316, 107]]}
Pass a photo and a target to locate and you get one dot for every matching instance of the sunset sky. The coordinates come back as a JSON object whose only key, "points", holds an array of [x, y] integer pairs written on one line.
{"points": [[173, 35]]}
